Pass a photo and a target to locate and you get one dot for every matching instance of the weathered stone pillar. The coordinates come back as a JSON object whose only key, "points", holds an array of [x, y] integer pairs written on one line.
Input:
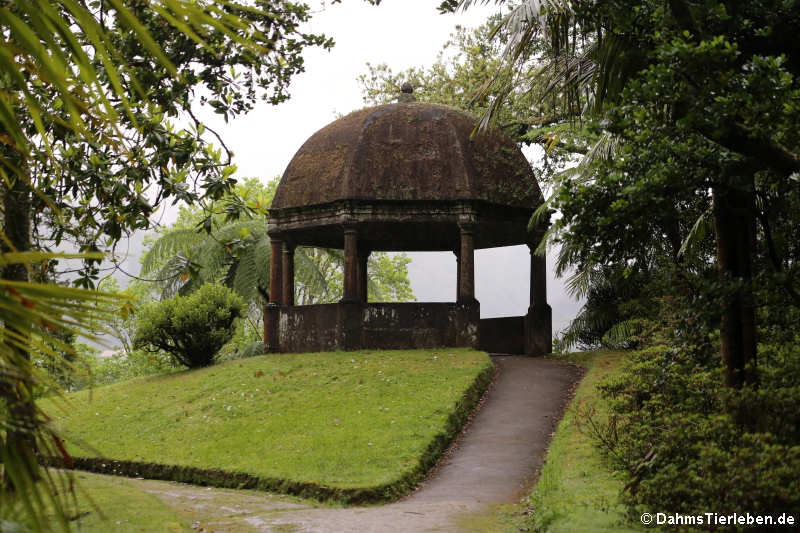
{"points": [[351, 288], [272, 309], [363, 275], [348, 327], [275, 266], [466, 265], [539, 320], [288, 274]]}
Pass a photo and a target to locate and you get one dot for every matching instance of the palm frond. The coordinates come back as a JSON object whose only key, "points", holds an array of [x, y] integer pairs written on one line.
{"points": [[579, 282], [701, 227], [29, 315]]}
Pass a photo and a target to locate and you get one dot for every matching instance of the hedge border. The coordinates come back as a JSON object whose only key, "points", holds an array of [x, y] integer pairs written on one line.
{"points": [[351, 496]]}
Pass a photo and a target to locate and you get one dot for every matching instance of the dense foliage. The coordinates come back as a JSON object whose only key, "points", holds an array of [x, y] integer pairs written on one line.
{"points": [[678, 436], [192, 328], [682, 225], [126, 154]]}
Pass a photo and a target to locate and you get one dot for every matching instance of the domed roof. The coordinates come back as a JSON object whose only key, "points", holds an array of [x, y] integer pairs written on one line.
{"points": [[407, 152]]}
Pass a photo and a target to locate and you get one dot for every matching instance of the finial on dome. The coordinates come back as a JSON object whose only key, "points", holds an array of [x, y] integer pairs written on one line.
{"points": [[406, 93]]}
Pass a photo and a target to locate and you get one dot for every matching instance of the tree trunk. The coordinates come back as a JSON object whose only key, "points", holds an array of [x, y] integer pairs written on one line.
{"points": [[734, 224], [18, 393]]}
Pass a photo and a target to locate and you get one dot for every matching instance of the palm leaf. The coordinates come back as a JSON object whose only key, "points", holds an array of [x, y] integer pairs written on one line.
{"points": [[701, 227], [28, 313]]}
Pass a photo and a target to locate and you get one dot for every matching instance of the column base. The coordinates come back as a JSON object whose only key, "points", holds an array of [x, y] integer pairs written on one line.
{"points": [[539, 330], [467, 318], [348, 334], [271, 328]]}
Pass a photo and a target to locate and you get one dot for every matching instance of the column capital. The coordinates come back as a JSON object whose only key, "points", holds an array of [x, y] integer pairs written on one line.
{"points": [[535, 236], [274, 231], [533, 241], [467, 226], [349, 227]]}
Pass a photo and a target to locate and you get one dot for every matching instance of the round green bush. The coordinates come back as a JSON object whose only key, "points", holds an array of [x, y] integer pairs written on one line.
{"points": [[192, 328]]}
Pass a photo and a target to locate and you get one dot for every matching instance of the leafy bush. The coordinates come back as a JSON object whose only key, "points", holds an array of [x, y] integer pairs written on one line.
{"points": [[687, 445], [193, 328]]}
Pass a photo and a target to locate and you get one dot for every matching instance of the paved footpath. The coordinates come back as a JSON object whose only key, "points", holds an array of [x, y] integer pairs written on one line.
{"points": [[494, 461]]}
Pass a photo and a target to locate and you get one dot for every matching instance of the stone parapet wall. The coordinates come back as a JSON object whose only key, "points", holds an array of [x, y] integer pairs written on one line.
{"points": [[356, 325], [504, 335]]}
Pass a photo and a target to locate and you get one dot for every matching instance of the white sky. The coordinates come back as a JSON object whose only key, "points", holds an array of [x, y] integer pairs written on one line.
{"points": [[403, 34]]}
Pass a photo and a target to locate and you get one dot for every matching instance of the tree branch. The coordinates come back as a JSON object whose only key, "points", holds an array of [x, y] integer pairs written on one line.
{"points": [[766, 151], [561, 145]]}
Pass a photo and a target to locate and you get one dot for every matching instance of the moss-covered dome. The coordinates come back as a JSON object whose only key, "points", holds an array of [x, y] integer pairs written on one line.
{"points": [[407, 152]]}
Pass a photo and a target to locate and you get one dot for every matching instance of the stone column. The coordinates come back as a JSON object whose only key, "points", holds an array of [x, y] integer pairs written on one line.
{"points": [[351, 289], [348, 328], [539, 320], [363, 278], [272, 309], [288, 274], [466, 265], [275, 266]]}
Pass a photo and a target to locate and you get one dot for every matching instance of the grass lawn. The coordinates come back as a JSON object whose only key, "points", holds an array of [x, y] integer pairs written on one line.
{"points": [[575, 491], [107, 503], [346, 420]]}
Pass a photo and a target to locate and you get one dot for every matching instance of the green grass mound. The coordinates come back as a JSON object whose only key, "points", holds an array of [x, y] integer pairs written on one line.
{"points": [[575, 490], [349, 426]]}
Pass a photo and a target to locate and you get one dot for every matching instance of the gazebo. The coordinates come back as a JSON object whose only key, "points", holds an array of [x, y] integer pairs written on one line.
{"points": [[404, 176]]}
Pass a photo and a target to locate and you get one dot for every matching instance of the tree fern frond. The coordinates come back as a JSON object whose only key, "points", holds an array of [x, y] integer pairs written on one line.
{"points": [[621, 332], [214, 257], [260, 253], [230, 273], [246, 276], [168, 245], [569, 338], [241, 229], [313, 271], [175, 273]]}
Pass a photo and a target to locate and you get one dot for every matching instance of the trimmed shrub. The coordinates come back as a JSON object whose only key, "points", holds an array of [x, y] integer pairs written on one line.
{"points": [[193, 328], [689, 445]]}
